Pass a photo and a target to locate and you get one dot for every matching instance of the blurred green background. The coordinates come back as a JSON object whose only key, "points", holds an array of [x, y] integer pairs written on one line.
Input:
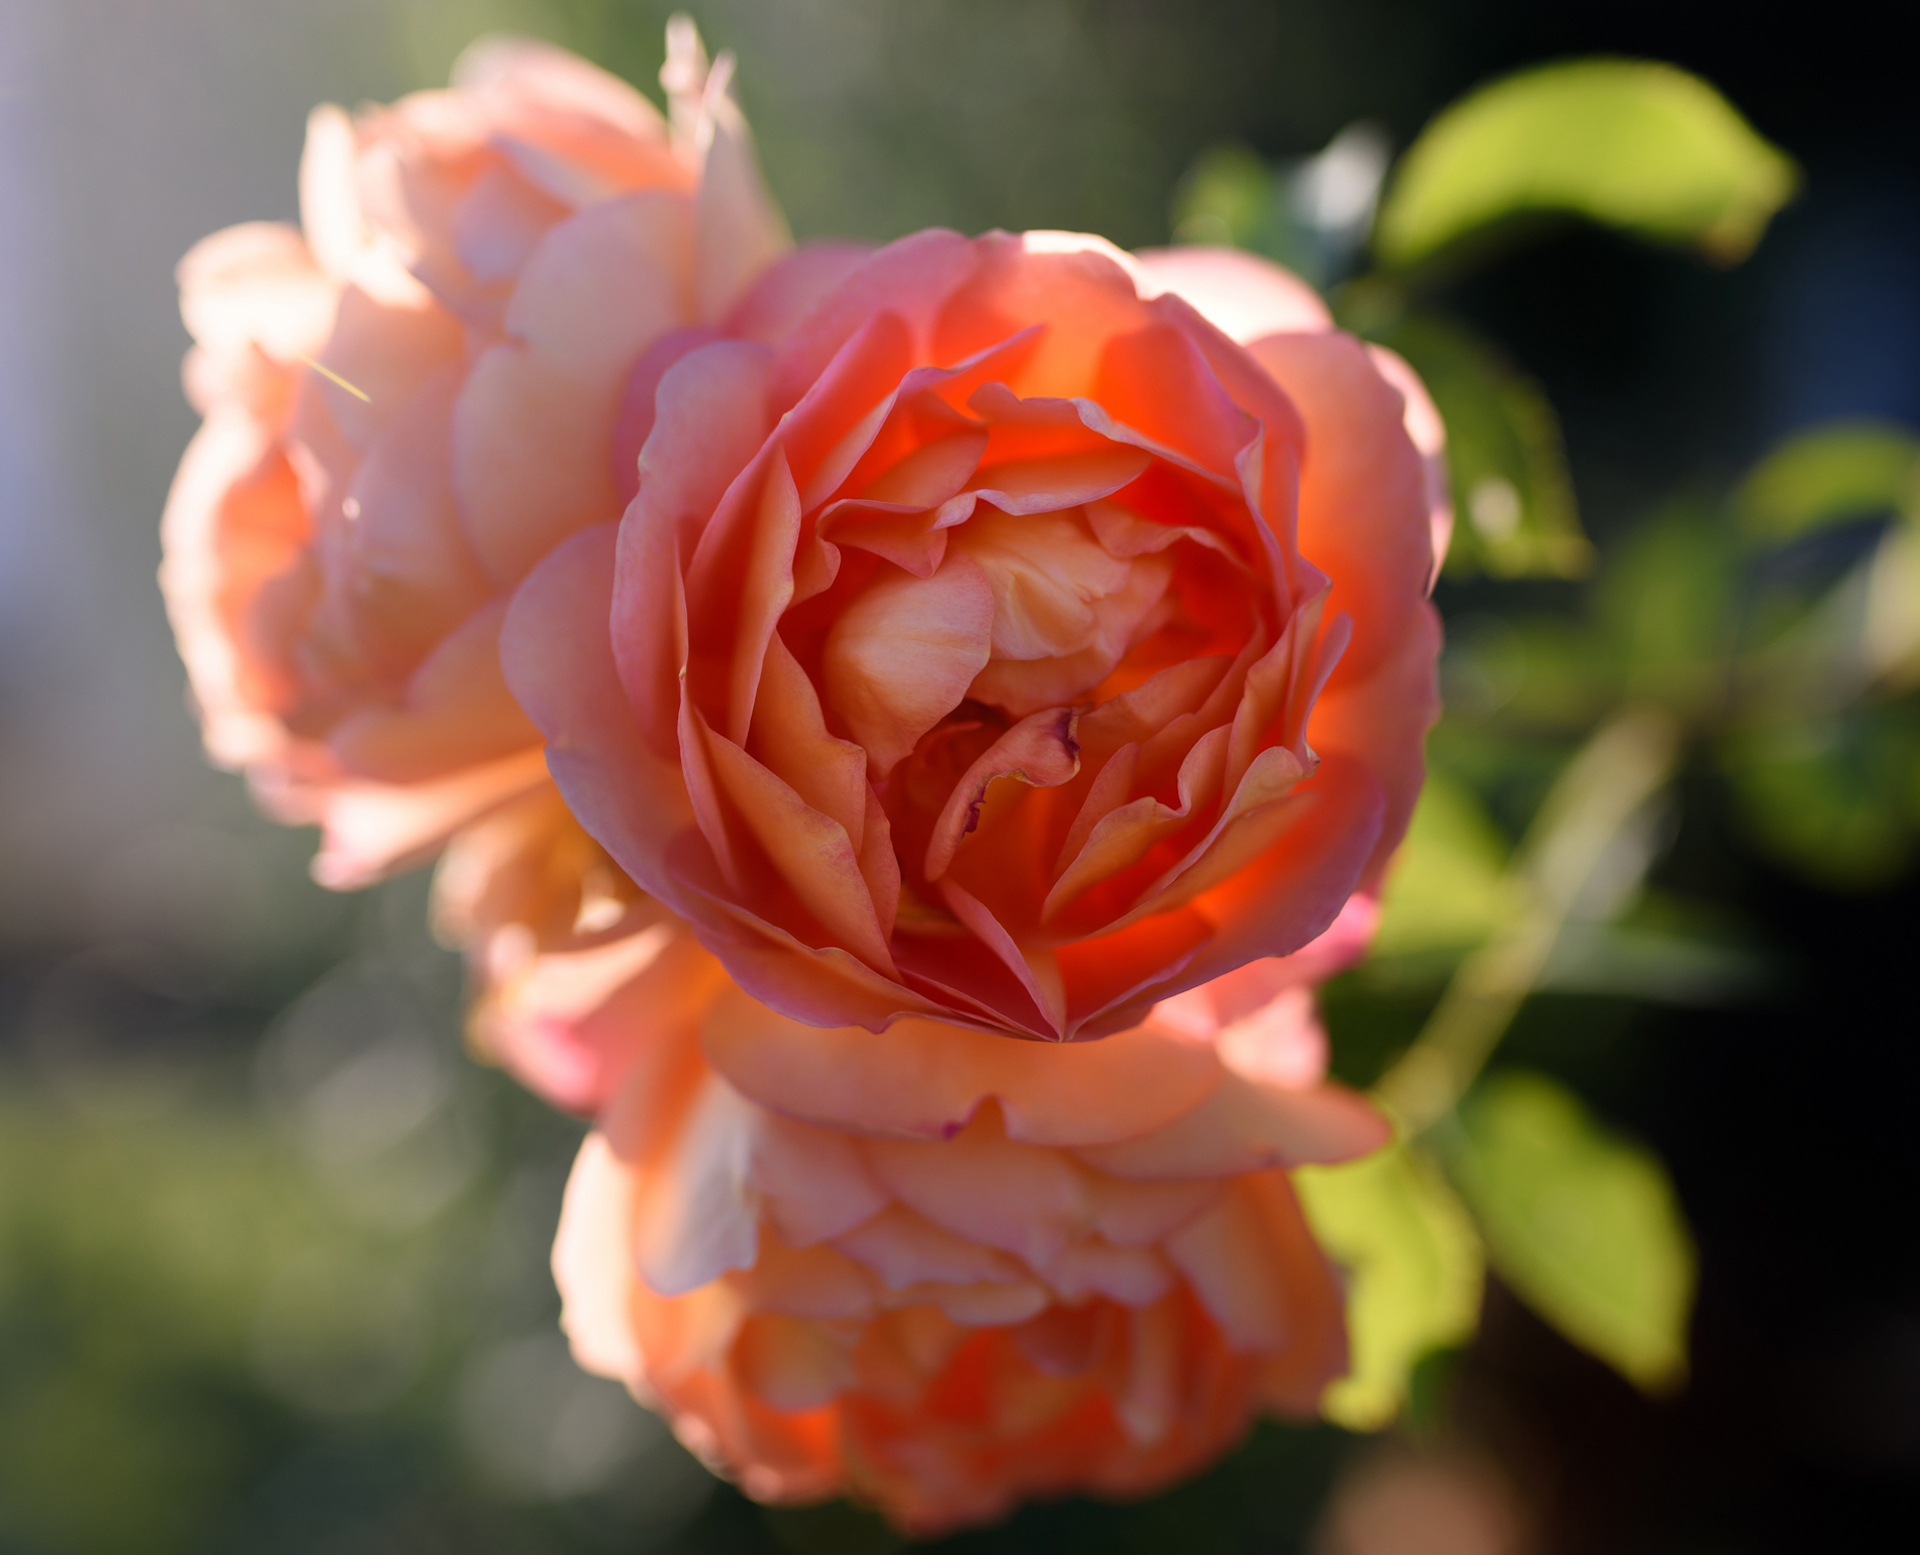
{"points": [[273, 1251]]}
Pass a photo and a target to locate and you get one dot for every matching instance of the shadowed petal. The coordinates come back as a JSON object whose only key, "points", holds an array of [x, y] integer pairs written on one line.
{"points": [[902, 656]]}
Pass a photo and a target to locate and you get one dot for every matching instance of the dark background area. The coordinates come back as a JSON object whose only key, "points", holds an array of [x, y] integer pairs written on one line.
{"points": [[235, 1314]]}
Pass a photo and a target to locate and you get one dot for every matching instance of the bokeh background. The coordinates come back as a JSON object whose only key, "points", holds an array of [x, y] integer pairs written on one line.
{"points": [[273, 1249]]}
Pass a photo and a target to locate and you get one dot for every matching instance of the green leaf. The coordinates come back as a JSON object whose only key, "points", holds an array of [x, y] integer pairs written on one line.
{"points": [[1664, 609], [1512, 497], [1631, 144], [1538, 673], [1415, 1271], [1232, 196], [1668, 964], [1448, 889], [1827, 475], [1580, 1222], [1836, 798], [1227, 197]]}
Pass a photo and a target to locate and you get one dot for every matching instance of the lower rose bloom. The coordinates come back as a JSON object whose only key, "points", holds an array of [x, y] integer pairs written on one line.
{"points": [[938, 1270]]}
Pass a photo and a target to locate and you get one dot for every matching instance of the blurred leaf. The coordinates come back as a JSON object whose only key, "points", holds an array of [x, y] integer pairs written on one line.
{"points": [[1512, 497], [1232, 196], [1628, 143], [1311, 214], [1582, 1223], [1510, 771], [1415, 1273], [1583, 856], [1837, 799], [1448, 889], [1227, 197], [1430, 1391], [1541, 673], [1663, 966], [1828, 475], [1890, 628], [1817, 651], [1664, 609]]}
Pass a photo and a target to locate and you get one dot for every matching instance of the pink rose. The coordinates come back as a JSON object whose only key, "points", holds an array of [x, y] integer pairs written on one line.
{"points": [[1036, 633], [941, 1271], [487, 268]]}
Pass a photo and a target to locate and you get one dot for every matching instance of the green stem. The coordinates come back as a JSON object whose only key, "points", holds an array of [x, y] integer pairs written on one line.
{"points": [[1578, 828]]}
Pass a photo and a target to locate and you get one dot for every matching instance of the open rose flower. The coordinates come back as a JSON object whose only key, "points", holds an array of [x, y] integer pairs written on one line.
{"points": [[942, 1271], [1013, 646], [412, 397]]}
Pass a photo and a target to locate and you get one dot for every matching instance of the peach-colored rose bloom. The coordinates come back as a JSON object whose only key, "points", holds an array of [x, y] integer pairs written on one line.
{"points": [[488, 268], [942, 1271], [1036, 633]]}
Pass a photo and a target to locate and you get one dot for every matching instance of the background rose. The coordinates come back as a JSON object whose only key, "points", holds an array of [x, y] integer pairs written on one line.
{"points": [[1008, 508], [942, 1271], [487, 266]]}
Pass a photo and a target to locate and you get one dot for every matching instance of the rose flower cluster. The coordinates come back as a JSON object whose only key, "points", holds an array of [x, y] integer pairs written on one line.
{"points": [[905, 732]]}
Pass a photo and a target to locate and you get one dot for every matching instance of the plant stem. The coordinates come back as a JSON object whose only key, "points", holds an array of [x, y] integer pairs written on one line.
{"points": [[1578, 832]]}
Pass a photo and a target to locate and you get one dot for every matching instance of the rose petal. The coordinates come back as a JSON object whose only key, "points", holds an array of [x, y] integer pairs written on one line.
{"points": [[910, 279], [257, 282], [712, 418], [555, 652], [1246, 1126], [1242, 295], [233, 521], [374, 829], [904, 1251], [737, 227], [591, 1257], [1429, 434], [533, 429], [986, 1188], [790, 737], [1135, 1276], [457, 712], [786, 293], [530, 68], [811, 851], [815, 1282], [1040, 751], [790, 1364], [696, 1217], [1364, 518], [901, 657], [415, 577], [925, 1080]]}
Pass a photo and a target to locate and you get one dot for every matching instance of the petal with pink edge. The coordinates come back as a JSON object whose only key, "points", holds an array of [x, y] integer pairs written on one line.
{"points": [[1242, 295], [558, 661], [1364, 517]]}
